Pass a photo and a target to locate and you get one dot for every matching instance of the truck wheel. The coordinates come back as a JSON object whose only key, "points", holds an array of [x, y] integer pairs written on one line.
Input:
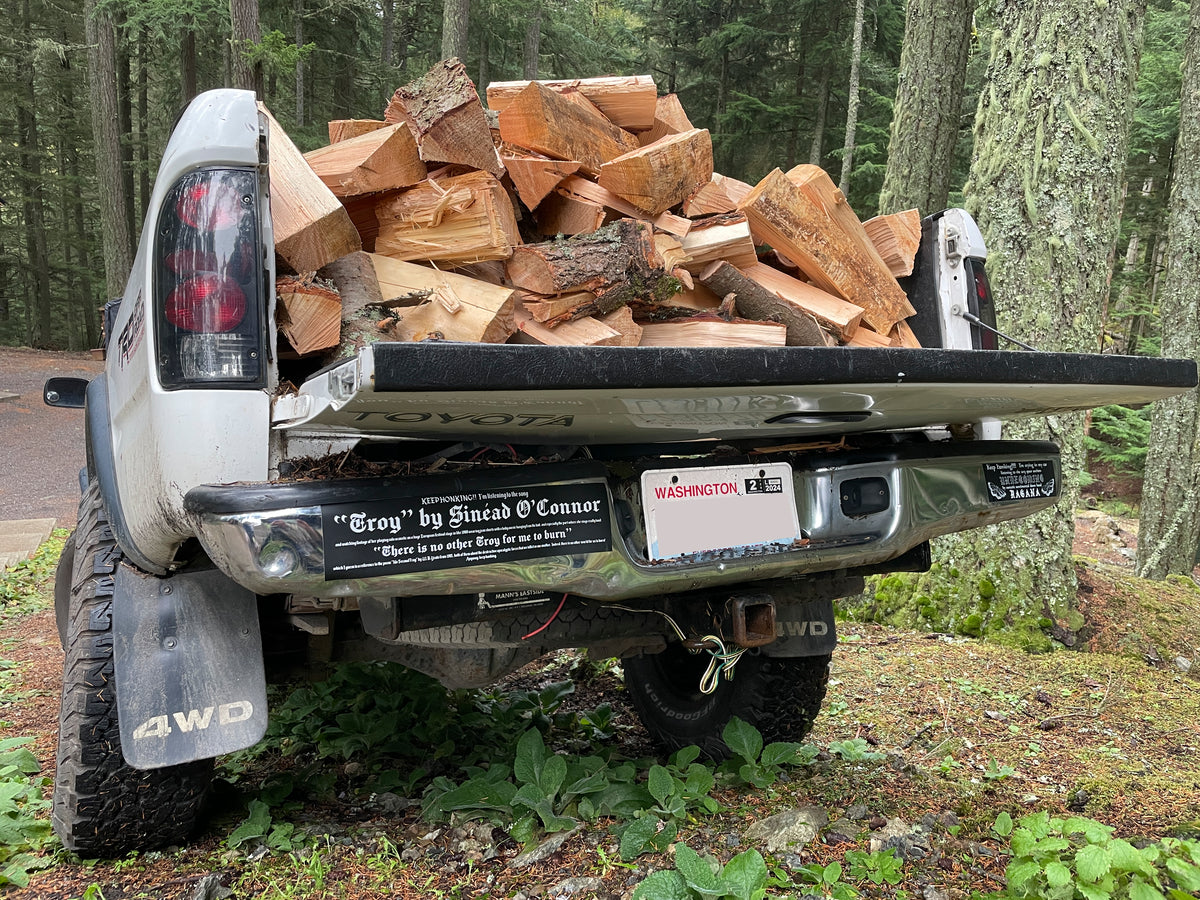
{"points": [[780, 697], [102, 806]]}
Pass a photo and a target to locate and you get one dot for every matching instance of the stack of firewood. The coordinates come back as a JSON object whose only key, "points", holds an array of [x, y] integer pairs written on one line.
{"points": [[579, 212]]}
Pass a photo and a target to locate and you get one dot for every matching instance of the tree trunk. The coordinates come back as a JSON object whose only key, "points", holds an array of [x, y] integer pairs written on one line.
{"points": [[456, 15], [816, 149], [1051, 140], [187, 65], [485, 64], [852, 99], [143, 122], [243, 17], [1169, 525], [404, 35], [34, 200], [533, 40], [389, 30], [106, 132], [125, 111], [925, 120], [298, 15]]}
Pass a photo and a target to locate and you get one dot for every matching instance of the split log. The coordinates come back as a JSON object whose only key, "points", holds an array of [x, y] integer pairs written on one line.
{"points": [[897, 237], [309, 315], [443, 111], [669, 118], [724, 237], [585, 332], [697, 298], [362, 214], [621, 320], [588, 190], [834, 314], [627, 101], [541, 120], [656, 177], [867, 337], [808, 232], [565, 213], [345, 129], [376, 161], [311, 227], [535, 177], [753, 301], [457, 220], [704, 331], [618, 263], [545, 309], [451, 306], [902, 335], [721, 195]]}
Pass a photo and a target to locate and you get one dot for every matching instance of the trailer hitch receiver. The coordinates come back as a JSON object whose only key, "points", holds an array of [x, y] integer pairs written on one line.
{"points": [[753, 619]]}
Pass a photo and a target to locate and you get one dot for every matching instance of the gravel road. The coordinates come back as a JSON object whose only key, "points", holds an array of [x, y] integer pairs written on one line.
{"points": [[41, 448]]}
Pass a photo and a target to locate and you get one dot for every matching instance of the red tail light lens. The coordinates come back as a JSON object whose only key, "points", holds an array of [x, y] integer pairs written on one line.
{"points": [[206, 303], [211, 206], [210, 312]]}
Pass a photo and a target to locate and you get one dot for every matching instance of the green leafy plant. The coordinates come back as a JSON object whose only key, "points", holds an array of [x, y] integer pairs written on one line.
{"points": [[260, 826], [996, 772], [1119, 436], [22, 799], [855, 750], [743, 878], [878, 866], [28, 586], [825, 881], [1063, 859], [755, 764]]}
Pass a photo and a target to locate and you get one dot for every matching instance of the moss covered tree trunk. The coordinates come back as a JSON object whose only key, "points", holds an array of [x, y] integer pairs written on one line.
{"points": [[1051, 135], [925, 123], [1169, 526]]}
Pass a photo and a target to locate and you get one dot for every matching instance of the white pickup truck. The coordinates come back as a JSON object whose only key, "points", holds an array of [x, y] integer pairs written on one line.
{"points": [[462, 509]]}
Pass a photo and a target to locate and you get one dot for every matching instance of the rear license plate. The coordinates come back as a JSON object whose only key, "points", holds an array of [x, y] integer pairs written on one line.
{"points": [[718, 507]]}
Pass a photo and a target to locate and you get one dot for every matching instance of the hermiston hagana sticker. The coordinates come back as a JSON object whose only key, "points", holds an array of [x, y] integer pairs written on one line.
{"points": [[419, 534], [1020, 480]]}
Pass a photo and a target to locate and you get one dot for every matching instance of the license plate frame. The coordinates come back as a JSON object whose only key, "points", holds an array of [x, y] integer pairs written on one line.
{"points": [[706, 509]]}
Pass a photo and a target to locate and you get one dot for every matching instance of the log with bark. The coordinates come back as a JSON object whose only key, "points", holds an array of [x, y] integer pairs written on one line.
{"points": [[753, 301], [810, 234], [618, 263], [443, 112]]}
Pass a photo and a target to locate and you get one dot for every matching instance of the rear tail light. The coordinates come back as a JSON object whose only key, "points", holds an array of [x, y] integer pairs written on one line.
{"points": [[208, 288], [979, 302]]}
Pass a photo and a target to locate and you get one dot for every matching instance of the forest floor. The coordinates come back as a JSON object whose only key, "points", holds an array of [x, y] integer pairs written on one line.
{"points": [[925, 741]]}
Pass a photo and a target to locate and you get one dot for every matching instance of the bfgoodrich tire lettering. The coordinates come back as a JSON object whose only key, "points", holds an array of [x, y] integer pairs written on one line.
{"points": [[103, 807], [781, 697]]}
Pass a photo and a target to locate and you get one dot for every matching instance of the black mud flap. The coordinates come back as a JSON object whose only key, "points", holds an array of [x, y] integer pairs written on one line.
{"points": [[189, 667], [803, 629]]}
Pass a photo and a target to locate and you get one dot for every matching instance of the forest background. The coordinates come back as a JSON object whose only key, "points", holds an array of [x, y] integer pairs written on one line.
{"points": [[88, 96]]}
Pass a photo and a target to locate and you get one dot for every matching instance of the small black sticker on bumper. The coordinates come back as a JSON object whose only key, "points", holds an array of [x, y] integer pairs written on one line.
{"points": [[1020, 480]]}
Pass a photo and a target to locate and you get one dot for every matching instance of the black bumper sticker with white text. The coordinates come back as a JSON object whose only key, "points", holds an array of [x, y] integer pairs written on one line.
{"points": [[1020, 480]]}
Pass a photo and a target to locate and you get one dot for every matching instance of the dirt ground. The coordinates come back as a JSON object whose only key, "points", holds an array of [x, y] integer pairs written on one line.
{"points": [[42, 447]]}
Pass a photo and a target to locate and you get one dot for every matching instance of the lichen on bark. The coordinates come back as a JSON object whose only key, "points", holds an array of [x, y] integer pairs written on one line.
{"points": [[1051, 139]]}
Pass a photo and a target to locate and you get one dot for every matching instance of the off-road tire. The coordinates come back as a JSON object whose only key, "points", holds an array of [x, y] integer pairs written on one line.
{"points": [[63, 576], [781, 697], [102, 806]]}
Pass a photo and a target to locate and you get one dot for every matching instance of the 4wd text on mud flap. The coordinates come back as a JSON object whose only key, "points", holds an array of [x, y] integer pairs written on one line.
{"points": [[195, 719], [521, 420]]}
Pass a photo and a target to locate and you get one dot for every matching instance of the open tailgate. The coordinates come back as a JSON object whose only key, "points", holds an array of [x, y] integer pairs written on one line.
{"points": [[578, 395]]}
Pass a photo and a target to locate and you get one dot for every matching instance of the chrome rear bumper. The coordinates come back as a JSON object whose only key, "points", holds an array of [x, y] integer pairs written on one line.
{"points": [[272, 538]]}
